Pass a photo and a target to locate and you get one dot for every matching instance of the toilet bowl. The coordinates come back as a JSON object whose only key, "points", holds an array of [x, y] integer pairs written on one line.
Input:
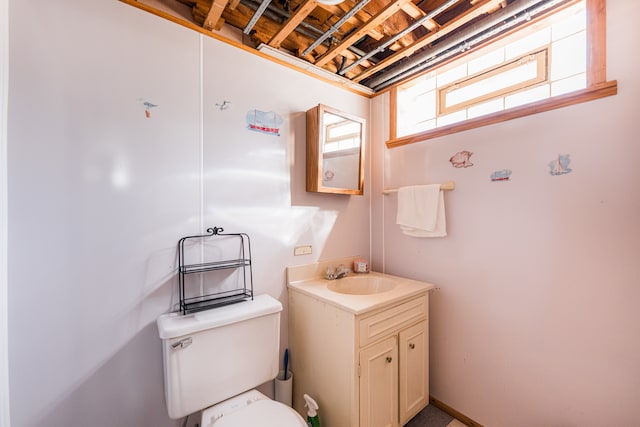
{"points": [[251, 409]]}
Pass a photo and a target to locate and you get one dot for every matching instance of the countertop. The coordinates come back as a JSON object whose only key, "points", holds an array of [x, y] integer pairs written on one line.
{"points": [[360, 304]]}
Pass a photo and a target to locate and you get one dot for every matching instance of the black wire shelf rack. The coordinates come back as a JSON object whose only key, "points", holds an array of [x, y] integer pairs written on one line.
{"points": [[215, 282]]}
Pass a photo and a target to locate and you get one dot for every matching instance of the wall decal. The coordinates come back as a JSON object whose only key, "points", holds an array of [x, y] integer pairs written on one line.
{"points": [[461, 159], [328, 175], [264, 121], [147, 107], [224, 105], [560, 166], [501, 175]]}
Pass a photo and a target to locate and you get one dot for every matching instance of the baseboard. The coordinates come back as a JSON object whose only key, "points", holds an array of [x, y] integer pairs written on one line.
{"points": [[457, 415]]}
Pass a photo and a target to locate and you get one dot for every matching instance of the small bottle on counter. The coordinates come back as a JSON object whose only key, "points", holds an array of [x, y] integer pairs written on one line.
{"points": [[360, 266]]}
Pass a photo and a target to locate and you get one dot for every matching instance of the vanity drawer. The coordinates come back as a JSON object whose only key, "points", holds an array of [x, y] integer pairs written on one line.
{"points": [[390, 321]]}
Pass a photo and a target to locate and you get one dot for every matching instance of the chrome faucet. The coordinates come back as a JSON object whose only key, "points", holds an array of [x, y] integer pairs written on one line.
{"points": [[338, 273]]}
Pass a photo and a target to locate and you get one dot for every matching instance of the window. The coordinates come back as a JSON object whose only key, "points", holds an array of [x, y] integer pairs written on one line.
{"points": [[552, 62]]}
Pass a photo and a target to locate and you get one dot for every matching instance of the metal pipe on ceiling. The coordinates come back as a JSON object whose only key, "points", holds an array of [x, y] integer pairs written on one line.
{"points": [[401, 34], [335, 27], [258, 13], [510, 16]]}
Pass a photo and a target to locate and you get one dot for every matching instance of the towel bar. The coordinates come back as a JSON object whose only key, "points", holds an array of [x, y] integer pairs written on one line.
{"points": [[447, 186]]}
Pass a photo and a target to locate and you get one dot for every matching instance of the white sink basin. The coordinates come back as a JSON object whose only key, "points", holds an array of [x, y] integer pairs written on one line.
{"points": [[361, 285]]}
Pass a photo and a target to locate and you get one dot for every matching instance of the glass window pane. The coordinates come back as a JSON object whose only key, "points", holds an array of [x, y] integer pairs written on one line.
{"points": [[526, 97], [452, 75], [494, 83], [486, 108], [569, 84], [491, 59], [419, 85], [447, 119], [569, 56], [425, 125], [426, 104], [527, 44], [421, 108], [574, 22]]}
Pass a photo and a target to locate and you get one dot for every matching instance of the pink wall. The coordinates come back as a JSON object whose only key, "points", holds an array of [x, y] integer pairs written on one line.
{"points": [[534, 321]]}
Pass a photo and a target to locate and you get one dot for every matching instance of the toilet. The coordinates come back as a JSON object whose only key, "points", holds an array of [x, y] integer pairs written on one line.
{"points": [[213, 359]]}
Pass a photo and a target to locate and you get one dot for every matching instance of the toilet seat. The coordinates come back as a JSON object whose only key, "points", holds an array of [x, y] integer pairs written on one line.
{"points": [[251, 409]]}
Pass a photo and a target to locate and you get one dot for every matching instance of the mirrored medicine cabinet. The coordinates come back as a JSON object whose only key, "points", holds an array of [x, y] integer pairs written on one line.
{"points": [[335, 151]]}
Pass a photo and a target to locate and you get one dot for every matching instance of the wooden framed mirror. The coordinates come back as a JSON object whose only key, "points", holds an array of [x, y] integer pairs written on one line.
{"points": [[335, 151]]}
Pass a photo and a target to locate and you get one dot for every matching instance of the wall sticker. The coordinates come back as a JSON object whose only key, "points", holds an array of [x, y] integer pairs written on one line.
{"points": [[501, 175], [147, 107], [461, 159], [264, 121], [560, 166], [224, 105]]}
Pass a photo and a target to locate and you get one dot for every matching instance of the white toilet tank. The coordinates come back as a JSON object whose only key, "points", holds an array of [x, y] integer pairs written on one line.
{"points": [[215, 354]]}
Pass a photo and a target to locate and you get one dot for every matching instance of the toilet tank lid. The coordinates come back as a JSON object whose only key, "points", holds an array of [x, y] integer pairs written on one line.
{"points": [[172, 325]]}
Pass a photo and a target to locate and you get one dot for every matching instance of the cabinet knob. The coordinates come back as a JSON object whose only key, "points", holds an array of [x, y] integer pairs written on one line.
{"points": [[412, 346], [389, 359]]}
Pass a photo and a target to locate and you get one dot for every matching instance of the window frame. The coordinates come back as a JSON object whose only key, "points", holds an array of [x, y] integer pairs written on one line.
{"points": [[541, 59], [597, 84]]}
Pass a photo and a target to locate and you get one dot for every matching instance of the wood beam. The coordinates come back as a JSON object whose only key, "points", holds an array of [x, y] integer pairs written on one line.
{"points": [[376, 20], [477, 10], [596, 42], [212, 18], [416, 13], [294, 20]]}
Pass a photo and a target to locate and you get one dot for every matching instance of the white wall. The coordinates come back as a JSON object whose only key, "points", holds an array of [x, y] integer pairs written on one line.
{"points": [[99, 196], [4, 296], [535, 320]]}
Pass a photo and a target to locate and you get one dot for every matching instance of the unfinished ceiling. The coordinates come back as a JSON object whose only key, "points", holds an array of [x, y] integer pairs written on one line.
{"points": [[373, 43]]}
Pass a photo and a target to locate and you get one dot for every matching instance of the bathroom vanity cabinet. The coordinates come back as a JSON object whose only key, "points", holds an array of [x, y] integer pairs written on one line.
{"points": [[365, 368]]}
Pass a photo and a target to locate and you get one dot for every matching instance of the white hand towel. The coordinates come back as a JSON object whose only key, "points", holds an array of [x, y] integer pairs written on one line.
{"points": [[421, 211]]}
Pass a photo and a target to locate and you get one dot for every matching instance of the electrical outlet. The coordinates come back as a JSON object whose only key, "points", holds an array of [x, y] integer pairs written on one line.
{"points": [[302, 250]]}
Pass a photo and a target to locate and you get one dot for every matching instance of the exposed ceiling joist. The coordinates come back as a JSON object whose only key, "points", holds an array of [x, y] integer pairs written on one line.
{"points": [[212, 19], [370, 43], [398, 36], [473, 13], [415, 12], [294, 20], [335, 27], [383, 15]]}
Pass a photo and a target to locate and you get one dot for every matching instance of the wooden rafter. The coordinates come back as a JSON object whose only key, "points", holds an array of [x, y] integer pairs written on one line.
{"points": [[479, 9], [214, 15], [380, 17], [416, 13], [294, 20]]}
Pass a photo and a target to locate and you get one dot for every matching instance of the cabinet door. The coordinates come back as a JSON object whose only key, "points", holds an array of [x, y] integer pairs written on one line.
{"points": [[379, 384], [414, 370]]}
